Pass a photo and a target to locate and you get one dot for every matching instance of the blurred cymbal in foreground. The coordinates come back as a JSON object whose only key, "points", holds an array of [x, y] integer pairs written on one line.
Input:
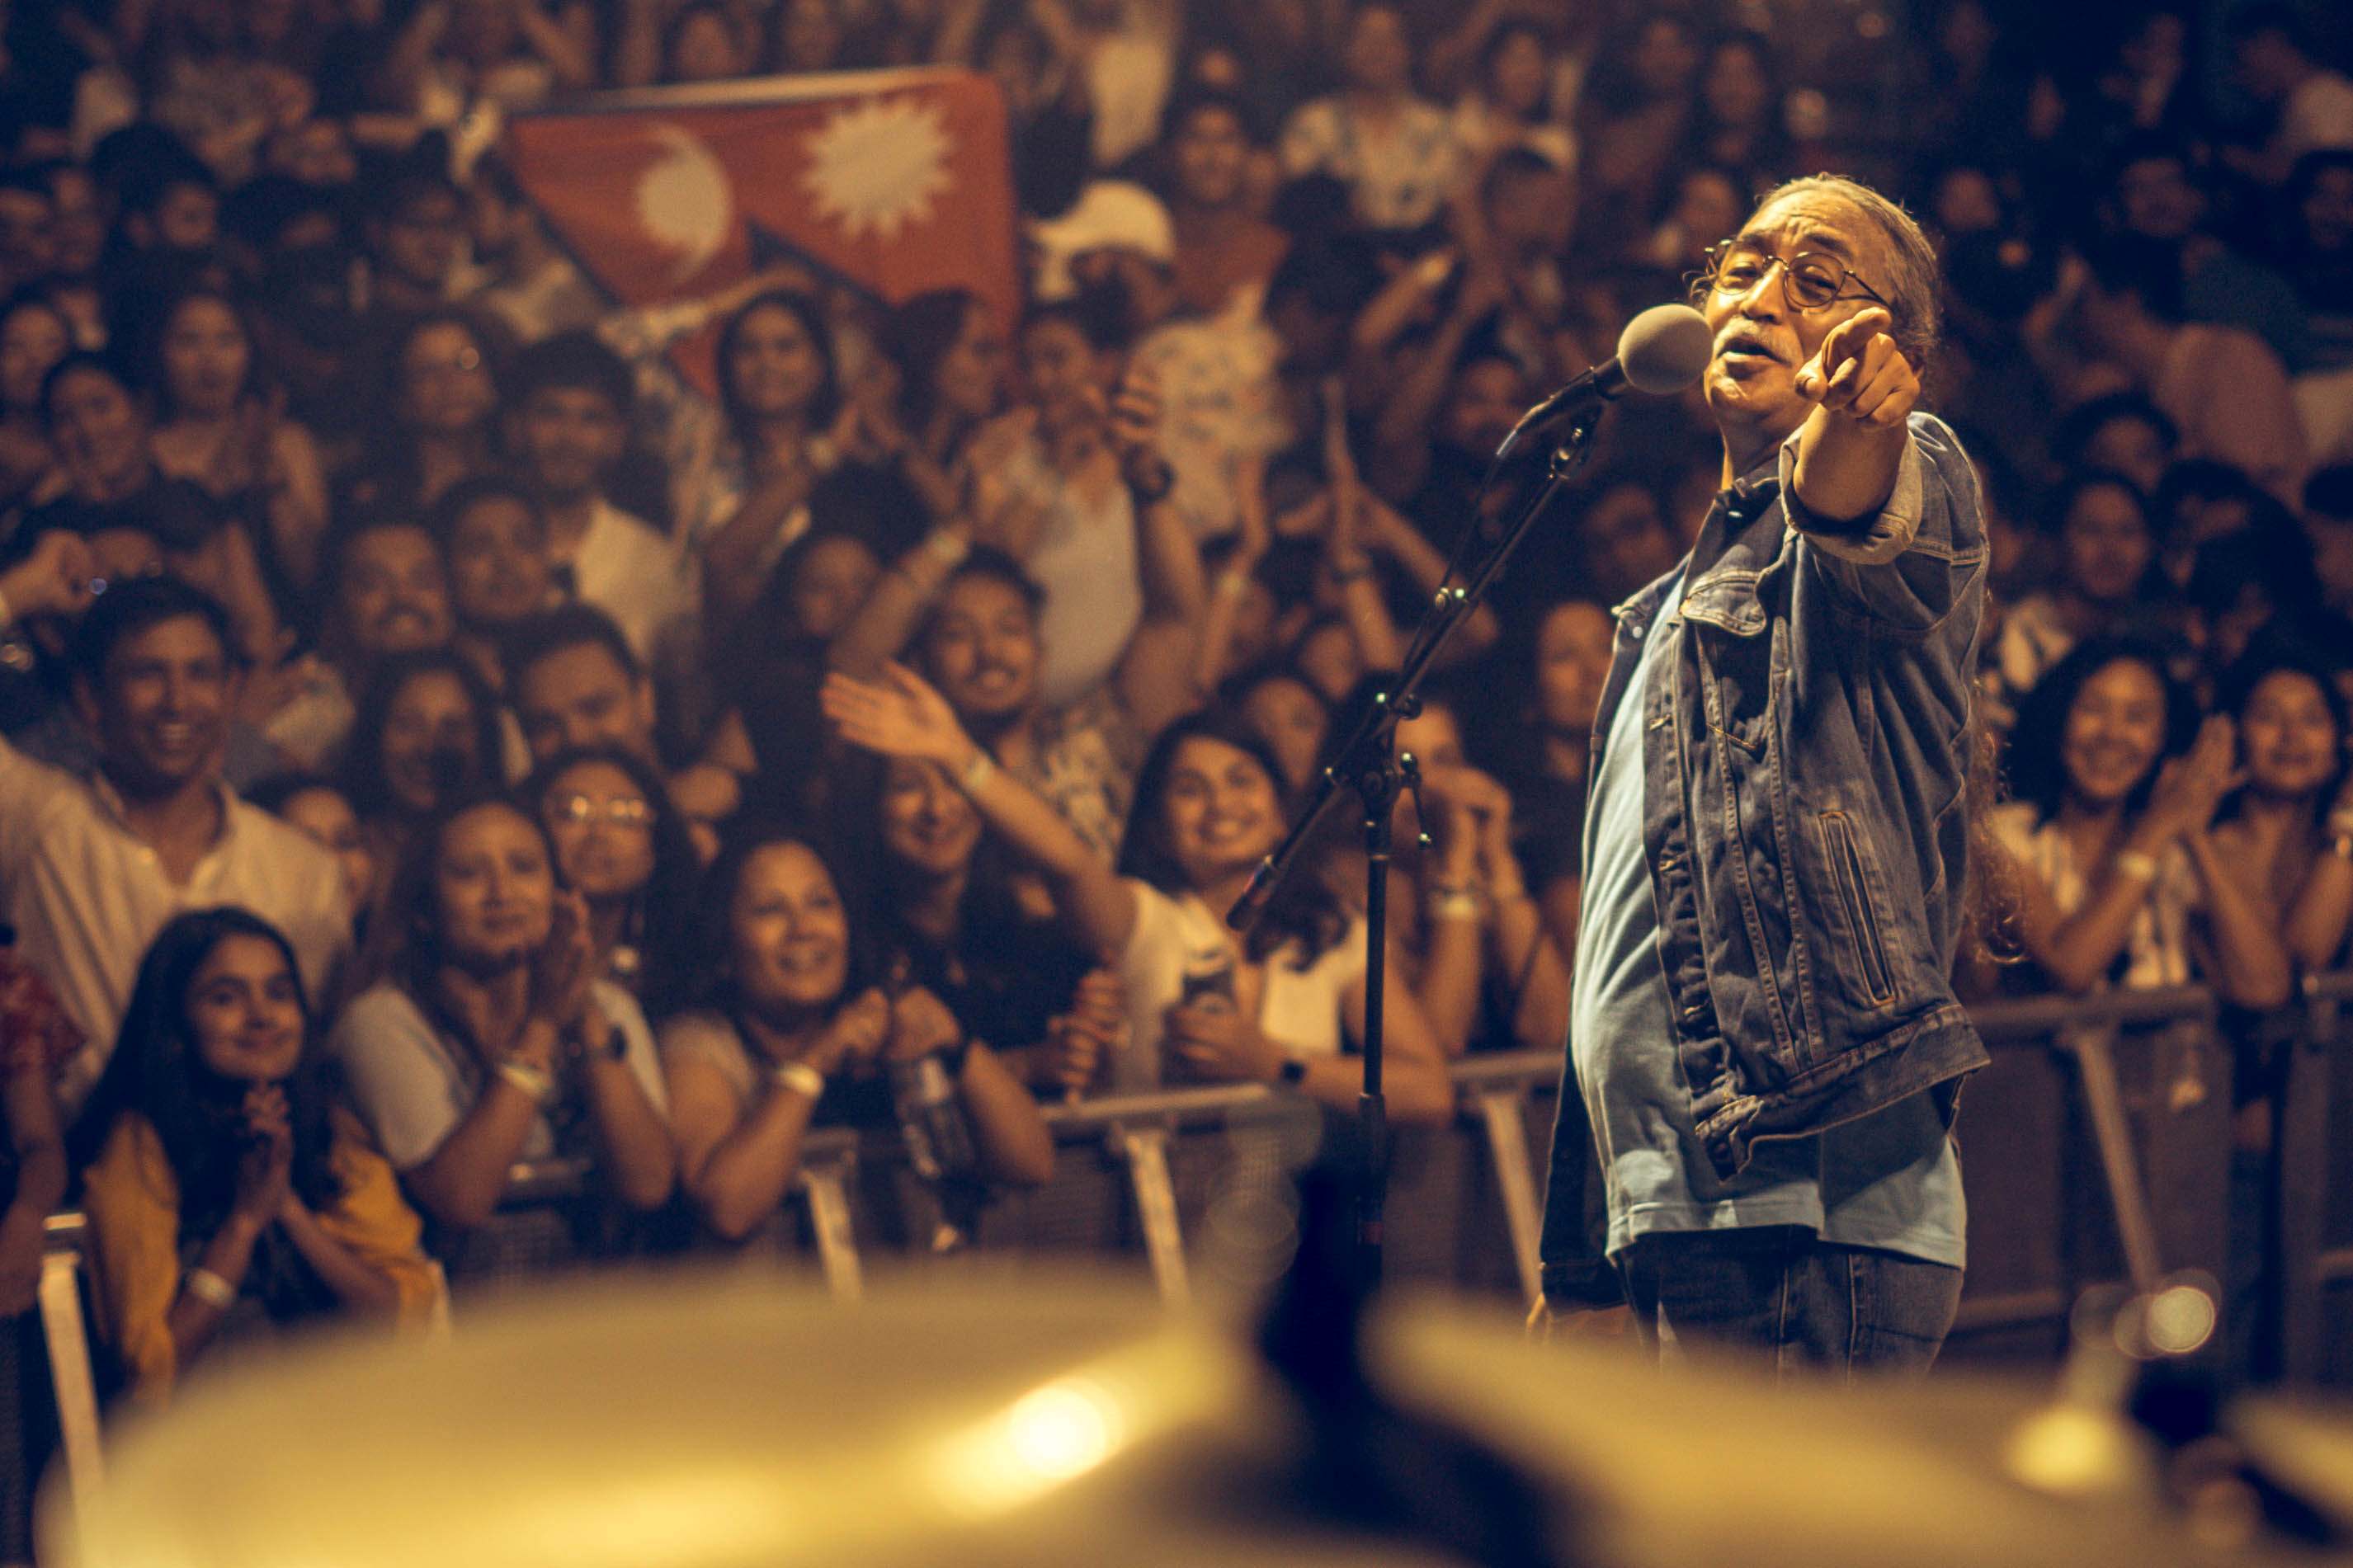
{"points": [[710, 1422]]}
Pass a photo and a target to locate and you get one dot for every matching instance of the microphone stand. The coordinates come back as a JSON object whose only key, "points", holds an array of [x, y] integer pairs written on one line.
{"points": [[1371, 766]]}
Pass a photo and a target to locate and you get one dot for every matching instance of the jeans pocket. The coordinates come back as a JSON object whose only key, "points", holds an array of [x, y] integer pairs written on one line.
{"points": [[1902, 1309]]}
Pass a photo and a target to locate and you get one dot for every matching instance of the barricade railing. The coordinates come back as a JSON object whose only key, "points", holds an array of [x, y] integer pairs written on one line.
{"points": [[2148, 1075], [66, 1339], [2314, 1166]]}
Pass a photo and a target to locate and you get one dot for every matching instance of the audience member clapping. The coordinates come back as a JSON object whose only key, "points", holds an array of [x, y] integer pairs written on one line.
{"points": [[953, 909], [2289, 829], [625, 848], [2111, 841], [489, 1036]]}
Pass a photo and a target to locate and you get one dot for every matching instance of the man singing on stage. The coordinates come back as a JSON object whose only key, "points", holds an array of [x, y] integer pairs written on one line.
{"points": [[1765, 1049]]}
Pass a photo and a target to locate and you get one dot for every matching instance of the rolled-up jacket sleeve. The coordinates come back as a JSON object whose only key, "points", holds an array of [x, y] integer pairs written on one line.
{"points": [[1908, 567]]}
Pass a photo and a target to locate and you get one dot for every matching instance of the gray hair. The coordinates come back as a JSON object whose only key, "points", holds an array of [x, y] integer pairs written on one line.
{"points": [[1914, 280]]}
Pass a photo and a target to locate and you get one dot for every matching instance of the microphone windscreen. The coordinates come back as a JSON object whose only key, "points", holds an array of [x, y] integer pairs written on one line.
{"points": [[1664, 349]]}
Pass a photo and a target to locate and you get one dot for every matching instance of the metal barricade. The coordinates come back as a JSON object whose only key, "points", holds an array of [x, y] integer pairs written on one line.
{"points": [[2314, 1153], [2103, 1121], [65, 1335]]}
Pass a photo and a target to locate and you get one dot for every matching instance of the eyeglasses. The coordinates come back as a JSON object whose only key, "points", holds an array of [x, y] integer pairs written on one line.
{"points": [[1809, 280], [465, 362], [625, 812]]}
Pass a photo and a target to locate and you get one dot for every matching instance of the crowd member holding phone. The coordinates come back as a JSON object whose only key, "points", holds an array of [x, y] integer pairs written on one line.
{"points": [[1273, 1007]]}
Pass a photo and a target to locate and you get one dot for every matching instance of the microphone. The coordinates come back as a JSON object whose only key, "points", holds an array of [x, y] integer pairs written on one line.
{"points": [[1661, 350]]}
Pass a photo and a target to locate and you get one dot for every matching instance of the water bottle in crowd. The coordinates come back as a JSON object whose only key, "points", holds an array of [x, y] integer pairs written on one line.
{"points": [[939, 1143]]}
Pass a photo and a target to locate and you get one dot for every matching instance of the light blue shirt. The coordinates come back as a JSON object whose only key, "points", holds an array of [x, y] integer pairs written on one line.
{"points": [[1890, 1180]]}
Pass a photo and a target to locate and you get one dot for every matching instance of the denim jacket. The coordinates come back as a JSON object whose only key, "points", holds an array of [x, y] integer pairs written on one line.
{"points": [[1805, 769]]}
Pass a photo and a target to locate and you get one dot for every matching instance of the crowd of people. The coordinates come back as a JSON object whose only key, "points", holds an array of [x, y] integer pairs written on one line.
{"points": [[439, 735]]}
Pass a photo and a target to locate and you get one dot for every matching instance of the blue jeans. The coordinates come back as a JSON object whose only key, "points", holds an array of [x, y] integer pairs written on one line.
{"points": [[1780, 1297]]}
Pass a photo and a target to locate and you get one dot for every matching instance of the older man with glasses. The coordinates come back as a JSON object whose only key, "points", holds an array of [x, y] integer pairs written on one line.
{"points": [[1765, 1047]]}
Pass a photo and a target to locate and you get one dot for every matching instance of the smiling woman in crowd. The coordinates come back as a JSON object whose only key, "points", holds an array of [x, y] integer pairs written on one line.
{"points": [[1272, 1008], [2290, 829], [951, 906], [224, 1185], [217, 425], [427, 731], [2120, 878], [796, 1031], [490, 1040], [622, 846]]}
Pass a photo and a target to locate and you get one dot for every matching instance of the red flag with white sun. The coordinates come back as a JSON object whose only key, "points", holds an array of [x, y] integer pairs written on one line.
{"points": [[892, 181]]}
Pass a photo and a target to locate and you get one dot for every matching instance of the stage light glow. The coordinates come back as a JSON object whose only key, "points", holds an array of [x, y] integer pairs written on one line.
{"points": [[1051, 1435]]}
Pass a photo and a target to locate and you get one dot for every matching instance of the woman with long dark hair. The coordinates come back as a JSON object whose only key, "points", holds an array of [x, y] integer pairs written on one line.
{"points": [[219, 1173], [217, 426], [954, 912], [780, 391], [34, 335], [793, 1029], [2110, 838], [2290, 830], [951, 352], [2106, 547], [1271, 1008], [426, 732], [625, 850], [442, 378], [487, 1037], [1477, 955]]}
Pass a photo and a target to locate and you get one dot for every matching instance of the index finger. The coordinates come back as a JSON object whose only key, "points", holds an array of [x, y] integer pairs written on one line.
{"points": [[1847, 339]]}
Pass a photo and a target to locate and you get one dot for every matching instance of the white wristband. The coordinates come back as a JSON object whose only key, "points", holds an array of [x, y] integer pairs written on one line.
{"points": [[800, 1078], [210, 1289], [535, 1082]]}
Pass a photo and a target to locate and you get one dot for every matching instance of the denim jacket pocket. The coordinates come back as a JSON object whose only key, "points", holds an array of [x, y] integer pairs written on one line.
{"points": [[1736, 657], [1846, 859]]}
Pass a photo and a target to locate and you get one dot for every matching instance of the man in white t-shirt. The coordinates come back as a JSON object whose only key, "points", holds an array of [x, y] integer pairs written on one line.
{"points": [[570, 427], [90, 869]]}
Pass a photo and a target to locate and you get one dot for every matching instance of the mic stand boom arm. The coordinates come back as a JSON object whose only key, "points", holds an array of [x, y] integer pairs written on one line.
{"points": [[1369, 765]]}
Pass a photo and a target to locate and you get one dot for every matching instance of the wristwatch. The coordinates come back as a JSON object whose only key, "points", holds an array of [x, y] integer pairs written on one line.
{"points": [[1150, 481], [1291, 1073]]}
